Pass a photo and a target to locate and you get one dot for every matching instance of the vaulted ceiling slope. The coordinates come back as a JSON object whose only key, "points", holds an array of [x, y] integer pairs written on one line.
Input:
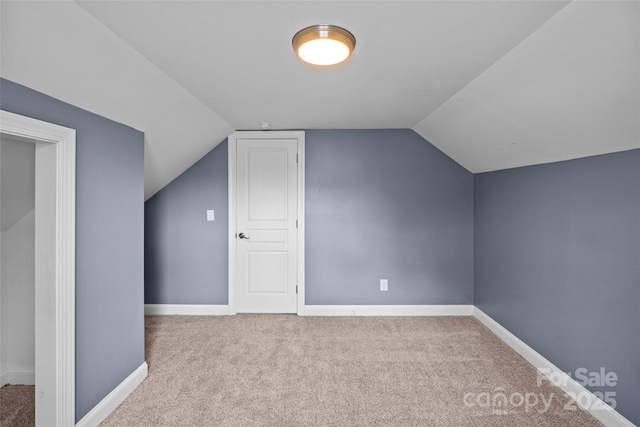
{"points": [[17, 160], [493, 84]]}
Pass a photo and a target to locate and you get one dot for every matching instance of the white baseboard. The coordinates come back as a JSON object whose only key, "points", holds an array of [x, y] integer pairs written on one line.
{"points": [[107, 405], [388, 310], [186, 309], [597, 408], [319, 310], [22, 377]]}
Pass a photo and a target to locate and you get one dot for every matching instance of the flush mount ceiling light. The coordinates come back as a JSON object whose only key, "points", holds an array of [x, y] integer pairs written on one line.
{"points": [[323, 44]]}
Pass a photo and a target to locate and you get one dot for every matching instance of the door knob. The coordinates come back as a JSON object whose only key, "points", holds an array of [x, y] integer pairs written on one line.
{"points": [[242, 236]]}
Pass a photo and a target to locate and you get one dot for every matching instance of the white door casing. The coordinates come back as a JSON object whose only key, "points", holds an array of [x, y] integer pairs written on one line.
{"points": [[55, 265], [266, 222]]}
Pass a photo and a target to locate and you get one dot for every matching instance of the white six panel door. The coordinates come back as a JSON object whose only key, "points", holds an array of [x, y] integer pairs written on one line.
{"points": [[266, 214]]}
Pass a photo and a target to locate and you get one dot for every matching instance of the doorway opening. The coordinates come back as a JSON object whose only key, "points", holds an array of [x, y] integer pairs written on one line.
{"points": [[17, 284], [54, 265]]}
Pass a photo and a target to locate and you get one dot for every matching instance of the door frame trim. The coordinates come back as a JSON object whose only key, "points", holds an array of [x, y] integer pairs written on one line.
{"points": [[232, 157], [55, 265]]}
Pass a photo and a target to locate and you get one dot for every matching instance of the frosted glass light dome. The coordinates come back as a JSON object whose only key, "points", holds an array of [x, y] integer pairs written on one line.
{"points": [[323, 44]]}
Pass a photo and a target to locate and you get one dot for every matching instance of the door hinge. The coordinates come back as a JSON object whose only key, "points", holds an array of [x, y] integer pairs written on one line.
{"points": [[296, 223], [296, 158], [296, 289]]}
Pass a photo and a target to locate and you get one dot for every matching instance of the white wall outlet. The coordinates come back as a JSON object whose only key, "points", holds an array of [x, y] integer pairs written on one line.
{"points": [[210, 215], [384, 285]]}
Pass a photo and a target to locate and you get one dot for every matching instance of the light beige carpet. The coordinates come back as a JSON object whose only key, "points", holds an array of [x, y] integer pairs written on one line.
{"points": [[17, 406], [285, 370]]}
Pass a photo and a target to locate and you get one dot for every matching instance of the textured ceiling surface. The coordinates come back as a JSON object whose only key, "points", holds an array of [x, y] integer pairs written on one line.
{"points": [[493, 84]]}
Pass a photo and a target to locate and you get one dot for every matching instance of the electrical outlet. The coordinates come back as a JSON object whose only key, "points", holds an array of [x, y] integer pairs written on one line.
{"points": [[384, 285], [210, 215]]}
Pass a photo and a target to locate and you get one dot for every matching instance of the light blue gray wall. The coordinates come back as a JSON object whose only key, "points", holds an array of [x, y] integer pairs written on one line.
{"points": [[386, 204], [186, 257], [109, 241], [557, 262], [379, 204]]}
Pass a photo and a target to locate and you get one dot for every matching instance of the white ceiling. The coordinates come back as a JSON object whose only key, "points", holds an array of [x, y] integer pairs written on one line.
{"points": [[18, 161], [493, 84]]}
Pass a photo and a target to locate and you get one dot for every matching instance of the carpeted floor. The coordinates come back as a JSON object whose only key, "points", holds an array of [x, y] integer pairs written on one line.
{"points": [[17, 406], [285, 370]]}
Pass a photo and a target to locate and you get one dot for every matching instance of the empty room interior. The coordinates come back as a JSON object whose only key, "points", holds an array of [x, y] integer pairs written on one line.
{"points": [[207, 223]]}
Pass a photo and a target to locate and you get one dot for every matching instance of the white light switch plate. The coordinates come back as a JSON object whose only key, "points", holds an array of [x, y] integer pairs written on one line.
{"points": [[384, 285], [210, 215]]}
